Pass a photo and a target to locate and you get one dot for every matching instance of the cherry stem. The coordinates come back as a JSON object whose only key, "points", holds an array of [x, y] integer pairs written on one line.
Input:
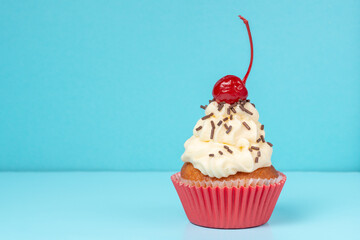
{"points": [[251, 47]]}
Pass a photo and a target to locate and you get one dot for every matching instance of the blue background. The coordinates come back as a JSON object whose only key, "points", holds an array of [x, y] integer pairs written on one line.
{"points": [[115, 85]]}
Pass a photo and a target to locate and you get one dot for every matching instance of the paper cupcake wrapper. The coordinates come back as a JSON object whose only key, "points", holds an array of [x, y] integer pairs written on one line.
{"points": [[228, 207]]}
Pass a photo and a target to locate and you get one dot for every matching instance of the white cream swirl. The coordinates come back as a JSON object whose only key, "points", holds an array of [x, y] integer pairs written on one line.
{"points": [[208, 151]]}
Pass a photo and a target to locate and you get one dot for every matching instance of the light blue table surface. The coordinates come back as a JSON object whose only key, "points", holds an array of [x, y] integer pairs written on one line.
{"points": [[144, 205]]}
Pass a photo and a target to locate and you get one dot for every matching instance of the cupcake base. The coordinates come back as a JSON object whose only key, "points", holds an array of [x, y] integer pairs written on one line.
{"points": [[235, 207]]}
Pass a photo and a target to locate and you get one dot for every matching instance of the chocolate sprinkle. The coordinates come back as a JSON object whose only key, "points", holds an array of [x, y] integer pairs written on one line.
{"points": [[246, 125], [221, 105], [226, 126], [255, 148], [221, 153], [241, 102], [219, 123], [256, 160], [212, 130], [231, 117], [270, 144], [211, 155], [250, 150], [262, 138], [229, 130], [228, 111], [207, 116], [258, 153], [228, 149], [232, 107], [245, 110], [225, 119], [197, 129], [258, 140], [203, 107], [262, 127]]}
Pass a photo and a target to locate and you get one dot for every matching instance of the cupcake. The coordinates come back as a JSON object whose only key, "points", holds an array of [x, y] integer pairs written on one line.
{"points": [[228, 180]]}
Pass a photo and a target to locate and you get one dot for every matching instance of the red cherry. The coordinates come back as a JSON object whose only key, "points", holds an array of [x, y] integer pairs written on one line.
{"points": [[230, 88]]}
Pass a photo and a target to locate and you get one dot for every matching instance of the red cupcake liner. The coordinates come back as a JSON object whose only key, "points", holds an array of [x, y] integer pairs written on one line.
{"points": [[234, 207]]}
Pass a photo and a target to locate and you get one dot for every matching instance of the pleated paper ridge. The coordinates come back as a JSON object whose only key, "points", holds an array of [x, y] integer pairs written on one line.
{"points": [[232, 183], [228, 207]]}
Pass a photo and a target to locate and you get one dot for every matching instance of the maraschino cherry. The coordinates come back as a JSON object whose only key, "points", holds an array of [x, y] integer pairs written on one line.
{"points": [[230, 88]]}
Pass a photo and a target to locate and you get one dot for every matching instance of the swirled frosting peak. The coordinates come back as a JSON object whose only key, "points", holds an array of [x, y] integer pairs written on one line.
{"points": [[227, 140]]}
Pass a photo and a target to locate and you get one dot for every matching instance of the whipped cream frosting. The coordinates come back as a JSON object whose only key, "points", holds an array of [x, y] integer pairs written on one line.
{"points": [[229, 139]]}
